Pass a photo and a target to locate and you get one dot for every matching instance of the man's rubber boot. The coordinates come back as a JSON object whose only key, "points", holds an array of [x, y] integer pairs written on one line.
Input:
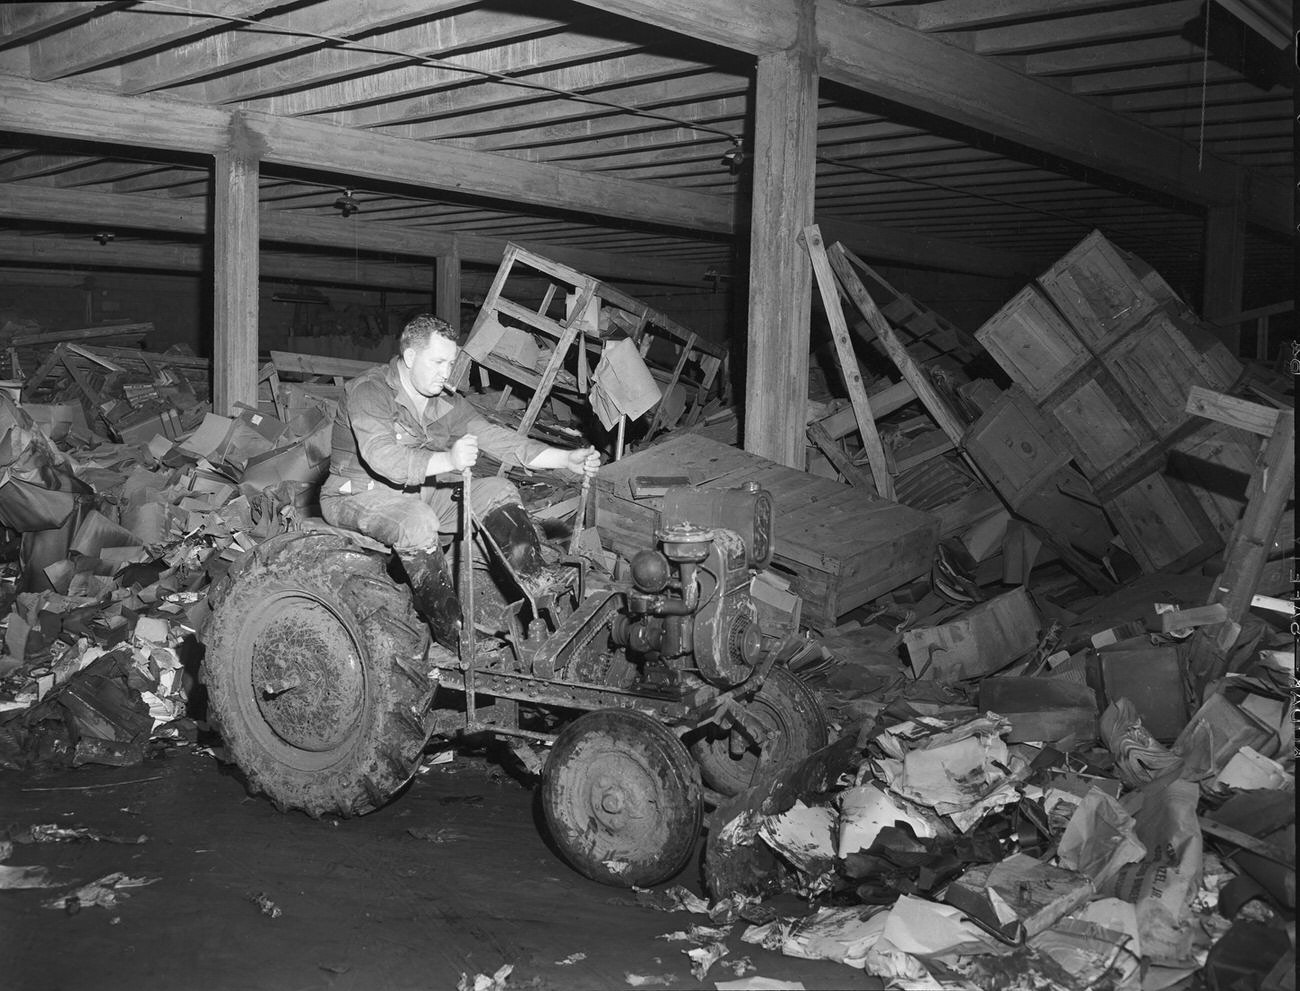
{"points": [[512, 530], [435, 596]]}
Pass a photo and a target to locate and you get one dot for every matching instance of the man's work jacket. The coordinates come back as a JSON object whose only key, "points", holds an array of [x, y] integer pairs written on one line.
{"points": [[380, 437]]}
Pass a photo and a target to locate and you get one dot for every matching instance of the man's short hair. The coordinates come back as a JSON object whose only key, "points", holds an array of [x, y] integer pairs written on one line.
{"points": [[421, 329]]}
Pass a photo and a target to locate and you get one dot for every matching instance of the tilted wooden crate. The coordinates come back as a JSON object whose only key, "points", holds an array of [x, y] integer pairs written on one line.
{"points": [[1158, 362], [1162, 524], [1033, 343], [1016, 447], [1101, 290], [1102, 428]]}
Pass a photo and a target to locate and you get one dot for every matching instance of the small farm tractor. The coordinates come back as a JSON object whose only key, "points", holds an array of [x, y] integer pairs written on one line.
{"points": [[657, 693]]}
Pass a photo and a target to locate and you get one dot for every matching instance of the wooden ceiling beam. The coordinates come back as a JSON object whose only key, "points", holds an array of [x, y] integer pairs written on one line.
{"points": [[236, 49], [356, 84], [1086, 29], [1181, 76], [320, 64], [20, 22], [483, 95], [861, 49], [1142, 52], [962, 15], [34, 164], [486, 107], [750, 26], [67, 251], [66, 111], [867, 52], [558, 119], [160, 213], [613, 126], [1224, 94], [311, 145], [133, 32]]}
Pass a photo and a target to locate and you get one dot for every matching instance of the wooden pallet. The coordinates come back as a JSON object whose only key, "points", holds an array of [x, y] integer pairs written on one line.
{"points": [[843, 550]]}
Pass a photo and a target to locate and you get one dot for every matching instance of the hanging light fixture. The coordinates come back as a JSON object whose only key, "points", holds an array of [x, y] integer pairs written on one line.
{"points": [[347, 204]]}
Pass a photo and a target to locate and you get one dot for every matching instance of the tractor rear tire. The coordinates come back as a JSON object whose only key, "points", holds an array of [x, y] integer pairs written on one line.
{"points": [[316, 674]]}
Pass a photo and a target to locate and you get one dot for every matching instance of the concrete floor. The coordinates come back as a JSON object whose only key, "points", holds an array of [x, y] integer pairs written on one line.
{"points": [[364, 904]]}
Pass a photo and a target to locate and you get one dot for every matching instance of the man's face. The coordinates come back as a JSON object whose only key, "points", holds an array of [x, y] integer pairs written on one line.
{"points": [[430, 366]]}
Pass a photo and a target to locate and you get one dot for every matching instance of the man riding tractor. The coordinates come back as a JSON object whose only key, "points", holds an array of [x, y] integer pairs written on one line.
{"points": [[657, 691], [399, 443]]}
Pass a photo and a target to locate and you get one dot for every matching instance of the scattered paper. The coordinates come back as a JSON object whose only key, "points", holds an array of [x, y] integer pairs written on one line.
{"points": [[106, 892]]}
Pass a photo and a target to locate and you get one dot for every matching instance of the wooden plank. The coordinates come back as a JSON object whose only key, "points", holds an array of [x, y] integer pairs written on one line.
{"points": [[850, 372], [134, 355], [915, 377], [235, 272], [318, 364], [854, 475], [1233, 412], [1251, 544], [84, 334], [922, 449], [780, 287], [1262, 848]]}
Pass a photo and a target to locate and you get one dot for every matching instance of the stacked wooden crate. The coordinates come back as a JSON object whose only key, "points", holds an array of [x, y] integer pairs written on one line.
{"points": [[1104, 354]]}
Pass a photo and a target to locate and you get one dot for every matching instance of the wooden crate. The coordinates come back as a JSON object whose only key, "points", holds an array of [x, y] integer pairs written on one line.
{"points": [[1016, 447], [1158, 362], [1216, 462], [1101, 427], [1099, 291], [1162, 524], [1033, 343], [842, 548]]}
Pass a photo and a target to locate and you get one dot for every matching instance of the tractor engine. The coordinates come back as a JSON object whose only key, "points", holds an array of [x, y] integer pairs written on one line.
{"points": [[690, 605]]}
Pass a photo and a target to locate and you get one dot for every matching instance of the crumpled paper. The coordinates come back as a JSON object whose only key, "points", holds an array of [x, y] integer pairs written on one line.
{"points": [[963, 772], [1099, 838]]}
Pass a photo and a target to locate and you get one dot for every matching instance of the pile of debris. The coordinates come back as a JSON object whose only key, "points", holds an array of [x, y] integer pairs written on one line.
{"points": [[129, 497], [1039, 845]]}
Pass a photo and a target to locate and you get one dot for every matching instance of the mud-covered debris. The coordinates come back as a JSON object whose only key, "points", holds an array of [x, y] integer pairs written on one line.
{"points": [[674, 899], [486, 982], [265, 904]]}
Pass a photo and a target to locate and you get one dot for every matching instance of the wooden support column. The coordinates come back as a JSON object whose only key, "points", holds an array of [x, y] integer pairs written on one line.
{"points": [[780, 276], [446, 292], [1225, 265], [235, 270]]}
